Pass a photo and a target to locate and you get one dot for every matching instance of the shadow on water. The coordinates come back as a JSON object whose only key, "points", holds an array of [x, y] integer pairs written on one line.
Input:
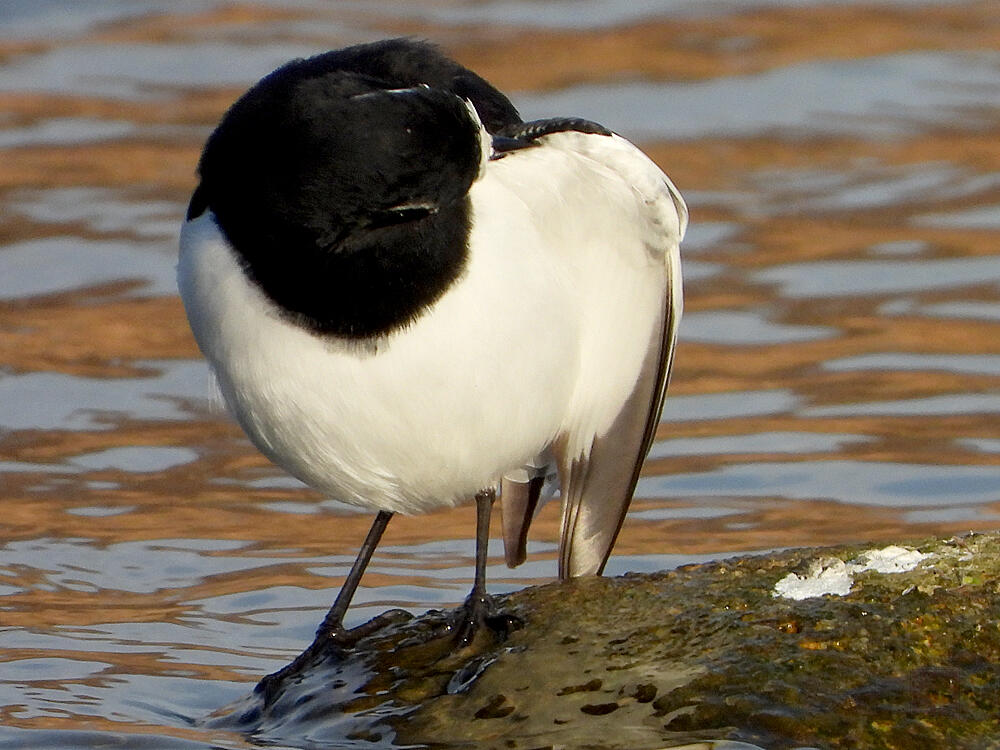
{"points": [[838, 376]]}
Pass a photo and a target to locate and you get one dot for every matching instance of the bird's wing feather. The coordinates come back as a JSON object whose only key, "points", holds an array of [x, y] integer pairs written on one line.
{"points": [[597, 484], [522, 492], [518, 500]]}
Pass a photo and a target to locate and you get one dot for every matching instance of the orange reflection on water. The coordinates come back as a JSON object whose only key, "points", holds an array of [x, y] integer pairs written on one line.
{"points": [[838, 376]]}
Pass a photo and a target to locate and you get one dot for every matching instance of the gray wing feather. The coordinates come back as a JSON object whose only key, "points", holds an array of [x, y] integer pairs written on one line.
{"points": [[518, 500], [521, 493]]}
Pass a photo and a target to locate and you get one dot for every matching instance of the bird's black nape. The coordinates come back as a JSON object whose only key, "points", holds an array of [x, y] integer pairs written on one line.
{"points": [[408, 62], [341, 181]]}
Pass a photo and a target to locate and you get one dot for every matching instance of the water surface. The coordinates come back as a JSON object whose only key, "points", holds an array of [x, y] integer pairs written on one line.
{"points": [[838, 377]]}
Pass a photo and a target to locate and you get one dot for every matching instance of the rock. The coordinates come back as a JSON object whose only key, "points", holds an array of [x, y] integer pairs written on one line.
{"points": [[908, 659]]}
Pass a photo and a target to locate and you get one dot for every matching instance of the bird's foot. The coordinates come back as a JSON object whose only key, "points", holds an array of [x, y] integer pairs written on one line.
{"points": [[479, 614], [339, 637], [328, 640]]}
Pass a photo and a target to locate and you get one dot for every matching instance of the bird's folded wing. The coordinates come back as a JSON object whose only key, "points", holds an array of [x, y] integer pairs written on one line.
{"points": [[598, 487]]}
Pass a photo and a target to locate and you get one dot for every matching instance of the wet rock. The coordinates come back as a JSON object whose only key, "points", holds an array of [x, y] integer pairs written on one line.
{"points": [[905, 655]]}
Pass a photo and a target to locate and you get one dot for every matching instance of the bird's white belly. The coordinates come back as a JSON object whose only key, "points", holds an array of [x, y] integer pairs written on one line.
{"points": [[423, 418]]}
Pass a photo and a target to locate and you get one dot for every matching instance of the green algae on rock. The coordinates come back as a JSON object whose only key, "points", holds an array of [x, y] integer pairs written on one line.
{"points": [[905, 660]]}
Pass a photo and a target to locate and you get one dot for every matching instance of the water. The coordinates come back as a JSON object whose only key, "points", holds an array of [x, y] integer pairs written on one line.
{"points": [[838, 377]]}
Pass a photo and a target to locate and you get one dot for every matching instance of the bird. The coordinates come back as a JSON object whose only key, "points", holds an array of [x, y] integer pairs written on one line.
{"points": [[411, 298]]}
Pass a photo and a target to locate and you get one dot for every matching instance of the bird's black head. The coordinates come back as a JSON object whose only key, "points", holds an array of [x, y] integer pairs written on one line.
{"points": [[341, 181]]}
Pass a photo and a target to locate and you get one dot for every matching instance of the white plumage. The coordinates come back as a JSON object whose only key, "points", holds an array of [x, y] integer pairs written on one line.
{"points": [[573, 249]]}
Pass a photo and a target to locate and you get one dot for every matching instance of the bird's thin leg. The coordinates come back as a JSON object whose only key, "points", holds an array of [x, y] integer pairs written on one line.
{"points": [[484, 509], [333, 624], [332, 628], [478, 605]]}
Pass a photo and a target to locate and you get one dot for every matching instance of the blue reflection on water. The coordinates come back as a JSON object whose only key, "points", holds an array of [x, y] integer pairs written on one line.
{"points": [[747, 328], [52, 400], [55, 264], [875, 483], [836, 278], [974, 364], [886, 96]]}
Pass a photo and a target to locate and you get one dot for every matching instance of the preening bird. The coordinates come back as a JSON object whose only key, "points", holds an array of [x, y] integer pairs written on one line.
{"points": [[411, 298]]}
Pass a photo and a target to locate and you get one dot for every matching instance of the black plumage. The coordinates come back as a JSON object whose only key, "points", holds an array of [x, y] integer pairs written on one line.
{"points": [[341, 180]]}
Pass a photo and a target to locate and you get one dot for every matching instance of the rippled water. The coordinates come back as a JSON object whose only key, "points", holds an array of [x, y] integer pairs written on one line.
{"points": [[838, 377]]}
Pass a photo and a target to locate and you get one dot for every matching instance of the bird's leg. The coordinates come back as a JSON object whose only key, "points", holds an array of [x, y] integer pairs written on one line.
{"points": [[479, 608], [478, 605], [333, 624], [332, 631]]}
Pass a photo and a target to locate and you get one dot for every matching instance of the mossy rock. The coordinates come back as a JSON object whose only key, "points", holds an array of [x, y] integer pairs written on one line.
{"points": [[903, 660]]}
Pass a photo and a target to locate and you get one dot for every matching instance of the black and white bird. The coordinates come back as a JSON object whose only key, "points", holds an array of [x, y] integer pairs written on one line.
{"points": [[412, 298]]}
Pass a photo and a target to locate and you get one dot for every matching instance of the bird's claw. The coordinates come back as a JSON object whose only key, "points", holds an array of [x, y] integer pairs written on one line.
{"points": [[480, 610]]}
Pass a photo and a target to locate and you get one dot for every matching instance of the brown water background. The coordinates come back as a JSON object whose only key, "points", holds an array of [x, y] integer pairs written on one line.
{"points": [[838, 376]]}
